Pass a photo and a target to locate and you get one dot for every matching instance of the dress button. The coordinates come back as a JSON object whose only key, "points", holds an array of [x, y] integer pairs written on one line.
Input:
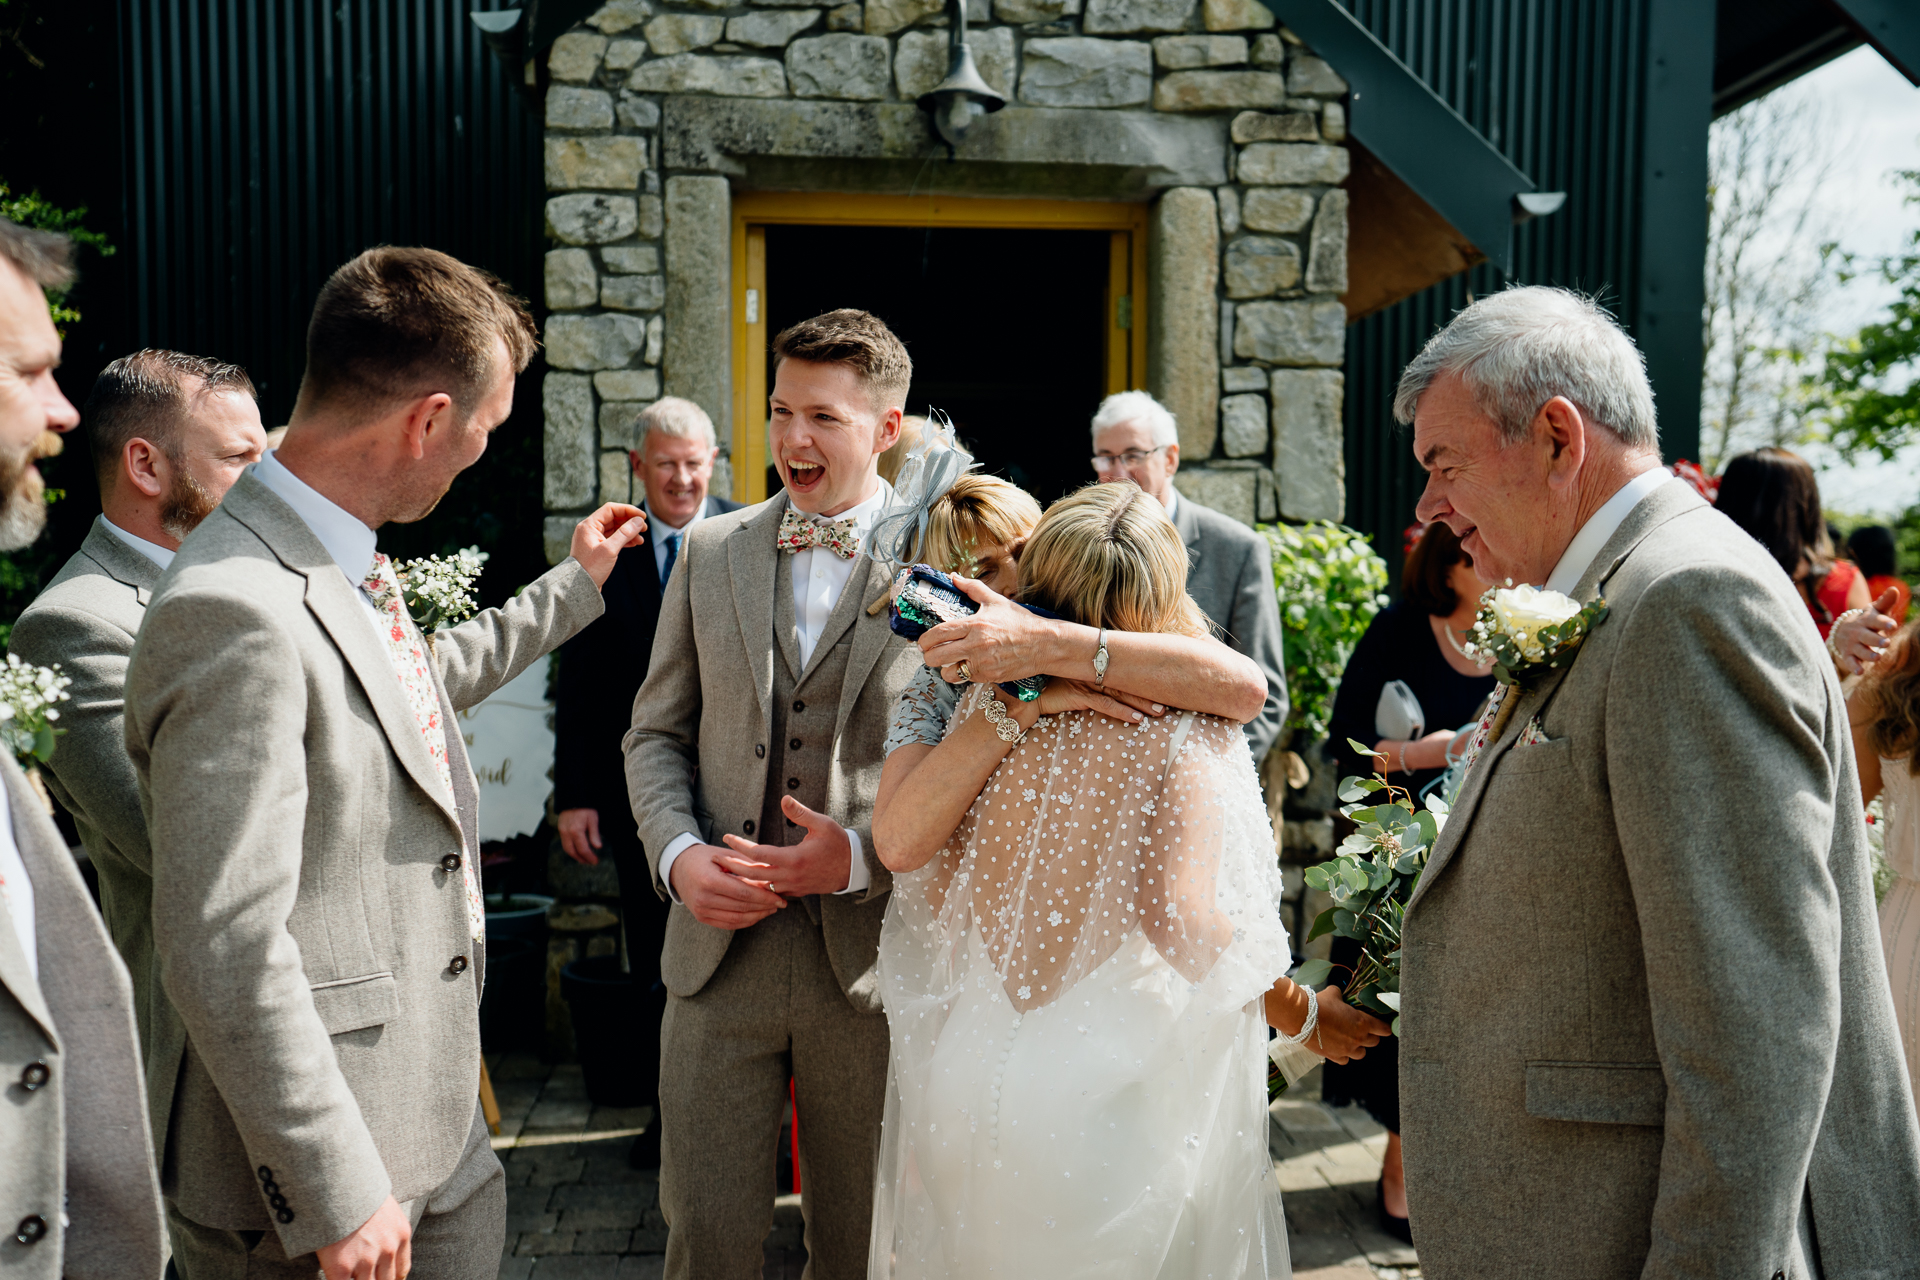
{"points": [[457, 965], [759, 751], [793, 745], [35, 1075], [32, 1229], [793, 784], [799, 705], [747, 826], [450, 863]]}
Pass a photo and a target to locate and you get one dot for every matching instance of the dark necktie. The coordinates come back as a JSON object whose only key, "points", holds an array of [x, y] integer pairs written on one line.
{"points": [[673, 553]]}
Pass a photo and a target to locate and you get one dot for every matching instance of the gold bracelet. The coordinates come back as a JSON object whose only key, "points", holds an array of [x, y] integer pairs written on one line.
{"points": [[1003, 724]]}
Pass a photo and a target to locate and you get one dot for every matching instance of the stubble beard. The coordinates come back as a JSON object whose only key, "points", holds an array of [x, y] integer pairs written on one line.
{"points": [[23, 517], [187, 503]]}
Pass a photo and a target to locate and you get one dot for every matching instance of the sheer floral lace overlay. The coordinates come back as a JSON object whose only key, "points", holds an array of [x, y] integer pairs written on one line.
{"points": [[1077, 1084]]}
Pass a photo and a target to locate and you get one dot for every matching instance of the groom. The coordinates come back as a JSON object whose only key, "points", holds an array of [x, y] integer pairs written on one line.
{"points": [[1681, 1058], [752, 763]]}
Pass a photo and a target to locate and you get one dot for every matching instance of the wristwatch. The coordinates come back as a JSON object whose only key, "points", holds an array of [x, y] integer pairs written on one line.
{"points": [[1100, 660]]}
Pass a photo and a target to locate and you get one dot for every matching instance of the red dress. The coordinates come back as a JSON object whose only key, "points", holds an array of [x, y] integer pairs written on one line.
{"points": [[1903, 598], [1831, 598]]}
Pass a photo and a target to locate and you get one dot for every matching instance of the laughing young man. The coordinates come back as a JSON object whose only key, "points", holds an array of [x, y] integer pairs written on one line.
{"points": [[752, 764]]}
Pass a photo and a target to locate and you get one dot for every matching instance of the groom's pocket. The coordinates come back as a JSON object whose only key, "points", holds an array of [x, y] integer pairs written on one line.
{"points": [[1598, 1092]]}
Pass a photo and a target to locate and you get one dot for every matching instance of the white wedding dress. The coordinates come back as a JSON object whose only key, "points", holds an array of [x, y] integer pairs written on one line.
{"points": [[1078, 1079]]}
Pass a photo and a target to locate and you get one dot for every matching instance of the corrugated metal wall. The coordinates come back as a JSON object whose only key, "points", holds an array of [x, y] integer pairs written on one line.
{"points": [[265, 142], [1606, 100]]}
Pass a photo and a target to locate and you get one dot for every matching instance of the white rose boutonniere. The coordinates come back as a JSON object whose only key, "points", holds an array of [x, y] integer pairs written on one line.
{"points": [[1527, 633]]}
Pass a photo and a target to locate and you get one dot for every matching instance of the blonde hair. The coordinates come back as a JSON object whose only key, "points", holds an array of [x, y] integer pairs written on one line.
{"points": [[1107, 556], [1890, 697], [977, 512]]}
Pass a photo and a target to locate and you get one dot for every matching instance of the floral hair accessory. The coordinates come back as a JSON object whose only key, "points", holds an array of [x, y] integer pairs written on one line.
{"points": [[924, 478], [437, 591]]}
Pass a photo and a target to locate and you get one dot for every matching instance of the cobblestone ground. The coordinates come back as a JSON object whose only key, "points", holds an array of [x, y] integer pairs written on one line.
{"points": [[575, 1211]]}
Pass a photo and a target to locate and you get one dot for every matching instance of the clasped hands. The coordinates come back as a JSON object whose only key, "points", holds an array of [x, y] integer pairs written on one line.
{"points": [[1003, 641], [743, 883]]}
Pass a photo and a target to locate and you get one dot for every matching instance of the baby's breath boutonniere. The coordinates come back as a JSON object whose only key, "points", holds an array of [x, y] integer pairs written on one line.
{"points": [[1527, 634], [28, 711], [437, 591]]}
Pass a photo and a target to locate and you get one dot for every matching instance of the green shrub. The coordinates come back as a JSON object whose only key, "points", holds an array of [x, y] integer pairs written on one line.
{"points": [[1331, 583]]}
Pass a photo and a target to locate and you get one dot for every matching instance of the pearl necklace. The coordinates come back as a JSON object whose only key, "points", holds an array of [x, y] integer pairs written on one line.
{"points": [[1447, 631]]}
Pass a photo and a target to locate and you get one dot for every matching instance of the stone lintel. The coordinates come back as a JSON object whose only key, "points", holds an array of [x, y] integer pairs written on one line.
{"points": [[1122, 152]]}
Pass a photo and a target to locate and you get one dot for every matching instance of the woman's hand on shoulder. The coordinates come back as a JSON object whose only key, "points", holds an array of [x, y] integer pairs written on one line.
{"points": [[1073, 695], [1000, 641]]}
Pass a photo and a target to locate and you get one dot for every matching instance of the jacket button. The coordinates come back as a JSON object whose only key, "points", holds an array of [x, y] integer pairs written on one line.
{"points": [[35, 1075], [450, 863], [799, 705], [759, 751], [747, 826], [457, 965], [793, 784], [795, 744], [284, 1216], [32, 1229]]}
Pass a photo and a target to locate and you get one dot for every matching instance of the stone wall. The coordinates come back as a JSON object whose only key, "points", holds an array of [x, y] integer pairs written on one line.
{"points": [[1225, 121]]}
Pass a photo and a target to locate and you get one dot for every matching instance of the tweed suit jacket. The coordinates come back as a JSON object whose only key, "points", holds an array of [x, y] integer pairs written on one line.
{"points": [[310, 920], [706, 706], [1230, 576], [86, 620], [1645, 1015], [76, 1144]]}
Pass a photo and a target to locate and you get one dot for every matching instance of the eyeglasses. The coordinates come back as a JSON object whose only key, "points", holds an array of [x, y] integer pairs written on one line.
{"points": [[1130, 459]]}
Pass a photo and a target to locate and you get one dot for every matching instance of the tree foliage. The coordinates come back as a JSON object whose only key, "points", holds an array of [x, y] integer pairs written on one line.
{"points": [[1870, 382], [1331, 582]]}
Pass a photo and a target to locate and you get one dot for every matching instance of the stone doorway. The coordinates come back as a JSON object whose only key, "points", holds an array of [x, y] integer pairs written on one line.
{"points": [[1007, 329]]}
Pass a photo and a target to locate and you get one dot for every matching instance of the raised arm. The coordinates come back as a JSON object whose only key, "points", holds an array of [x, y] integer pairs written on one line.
{"points": [[1005, 642]]}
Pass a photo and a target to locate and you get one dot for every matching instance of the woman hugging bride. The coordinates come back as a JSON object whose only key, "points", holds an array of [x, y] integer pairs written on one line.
{"points": [[1083, 930]]}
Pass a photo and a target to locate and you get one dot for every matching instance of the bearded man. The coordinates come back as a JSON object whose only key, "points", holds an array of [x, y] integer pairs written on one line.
{"points": [[78, 1196], [170, 433]]}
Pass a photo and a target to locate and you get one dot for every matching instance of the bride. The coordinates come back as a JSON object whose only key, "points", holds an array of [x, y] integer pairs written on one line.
{"points": [[1083, 924]]}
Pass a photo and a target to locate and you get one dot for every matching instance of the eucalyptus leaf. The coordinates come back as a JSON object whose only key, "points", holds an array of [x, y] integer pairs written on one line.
{"points": [[1313, 973], [1322, 923], [1391, 999]]}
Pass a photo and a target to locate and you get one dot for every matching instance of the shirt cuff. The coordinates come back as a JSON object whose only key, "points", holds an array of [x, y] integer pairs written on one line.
{"points": [[677, 846], [858, 877]]}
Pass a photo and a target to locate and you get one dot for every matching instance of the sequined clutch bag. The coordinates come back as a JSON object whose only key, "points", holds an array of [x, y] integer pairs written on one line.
{"points": [[928, 598]]}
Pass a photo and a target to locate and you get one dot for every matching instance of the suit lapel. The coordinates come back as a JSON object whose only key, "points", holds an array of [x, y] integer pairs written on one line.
{"points": [[121, 562], [15, 972], [1189, 528], [870, 635], [339, 608], [752, 563]]}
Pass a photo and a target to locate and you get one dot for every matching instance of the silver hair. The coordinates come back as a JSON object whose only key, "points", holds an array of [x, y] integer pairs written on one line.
{"points": [[1519, 348], [1136, 406], [681, 419], [44, 257]]}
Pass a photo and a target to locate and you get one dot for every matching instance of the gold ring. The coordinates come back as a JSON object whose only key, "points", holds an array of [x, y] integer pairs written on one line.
{"points": [[966, 676]]}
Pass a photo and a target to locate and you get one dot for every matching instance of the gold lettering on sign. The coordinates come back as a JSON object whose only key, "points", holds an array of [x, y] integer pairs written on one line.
{"points": [[495, 777]]}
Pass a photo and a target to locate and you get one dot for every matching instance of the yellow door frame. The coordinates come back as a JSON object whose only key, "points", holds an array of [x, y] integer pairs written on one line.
{"points": [[754, 211]]}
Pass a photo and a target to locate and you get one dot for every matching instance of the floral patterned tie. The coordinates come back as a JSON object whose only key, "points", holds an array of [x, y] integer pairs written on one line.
{"points": [[408, 651], [798, 532]]}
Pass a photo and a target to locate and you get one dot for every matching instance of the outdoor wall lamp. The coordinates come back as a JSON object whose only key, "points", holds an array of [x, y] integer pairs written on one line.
{"points": [[963, 97]]}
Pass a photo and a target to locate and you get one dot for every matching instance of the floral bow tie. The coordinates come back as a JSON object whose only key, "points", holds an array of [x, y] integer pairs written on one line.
{"points": [[798, 532]]}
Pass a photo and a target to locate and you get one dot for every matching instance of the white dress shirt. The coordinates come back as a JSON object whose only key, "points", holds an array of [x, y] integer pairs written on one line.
{"points": [[345, 536], [151, 550], [16, 887], [660, 531], [1172, 503], [1601, 525], [819, 577]]}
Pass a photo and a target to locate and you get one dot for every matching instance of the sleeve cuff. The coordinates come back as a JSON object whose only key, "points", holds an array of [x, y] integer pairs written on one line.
{"points": [[858, 877], [679, 845]]}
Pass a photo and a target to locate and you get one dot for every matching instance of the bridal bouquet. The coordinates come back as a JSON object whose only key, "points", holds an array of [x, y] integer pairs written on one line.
{"points": [[1370, 878], [28, 695], [437, 591]]}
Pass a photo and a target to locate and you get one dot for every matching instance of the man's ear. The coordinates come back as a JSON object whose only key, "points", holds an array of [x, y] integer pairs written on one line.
{"points": [[1562, 430], [423, 417], [1173, 458], [145, 467], [889, 433]]}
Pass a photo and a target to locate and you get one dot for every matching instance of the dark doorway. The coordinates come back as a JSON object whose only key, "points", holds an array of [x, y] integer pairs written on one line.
{"points": [[1007, 330]]}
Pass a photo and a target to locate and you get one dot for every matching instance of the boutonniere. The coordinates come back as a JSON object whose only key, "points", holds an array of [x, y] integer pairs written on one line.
{"points": [[28, 711], [1527, 634], [437, 591]]}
